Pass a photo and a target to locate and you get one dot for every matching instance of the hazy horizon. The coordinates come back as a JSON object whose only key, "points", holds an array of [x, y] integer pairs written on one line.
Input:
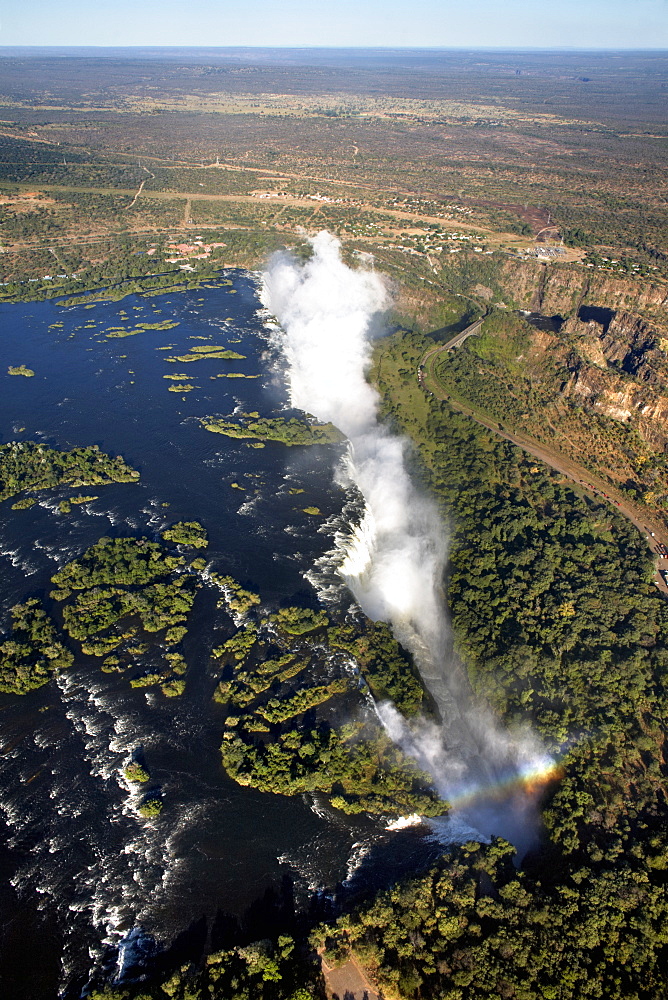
{"points": [[520, 24]]}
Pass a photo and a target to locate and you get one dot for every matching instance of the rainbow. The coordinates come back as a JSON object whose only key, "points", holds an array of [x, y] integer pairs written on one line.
{"points": [[528, 783]]}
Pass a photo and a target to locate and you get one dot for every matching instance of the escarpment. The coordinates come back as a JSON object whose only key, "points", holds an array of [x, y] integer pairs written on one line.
{"points": [[554, 289], [610, 355], [619, 366]]}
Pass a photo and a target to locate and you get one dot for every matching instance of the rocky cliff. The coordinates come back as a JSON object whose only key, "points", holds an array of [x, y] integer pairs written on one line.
{"points": [[623, 400], [618, 366], [554, 289], [613, 343]]}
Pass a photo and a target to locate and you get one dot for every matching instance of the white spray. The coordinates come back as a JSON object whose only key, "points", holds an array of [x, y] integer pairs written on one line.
{"points": [[394, 560]]}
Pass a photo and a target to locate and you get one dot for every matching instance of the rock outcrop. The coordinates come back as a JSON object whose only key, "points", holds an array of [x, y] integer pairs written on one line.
{"points": [[559, 289], [619, 367]]}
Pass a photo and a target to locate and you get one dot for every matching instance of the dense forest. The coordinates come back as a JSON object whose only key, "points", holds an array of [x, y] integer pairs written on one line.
{"points": [[554, 614], [27, 465], [558, 625], [290, 431]]}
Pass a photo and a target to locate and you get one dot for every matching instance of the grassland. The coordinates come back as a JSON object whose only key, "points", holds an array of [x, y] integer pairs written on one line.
{"points": [[500, 153]]}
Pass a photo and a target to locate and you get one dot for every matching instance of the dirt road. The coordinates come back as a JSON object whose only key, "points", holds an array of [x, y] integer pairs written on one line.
{"points": [[141, 187], [653, 530], [348, 981]]}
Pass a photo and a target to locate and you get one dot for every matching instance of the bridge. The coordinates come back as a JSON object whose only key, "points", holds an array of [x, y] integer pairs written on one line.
{"points": [[461, 337], [426, 365]]}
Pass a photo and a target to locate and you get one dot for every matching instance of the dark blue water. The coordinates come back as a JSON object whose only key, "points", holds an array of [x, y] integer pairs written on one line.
{"points": [[83, 870]]}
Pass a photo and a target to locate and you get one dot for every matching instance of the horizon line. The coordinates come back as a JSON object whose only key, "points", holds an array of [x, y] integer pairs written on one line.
{"points": [[340, 48]]}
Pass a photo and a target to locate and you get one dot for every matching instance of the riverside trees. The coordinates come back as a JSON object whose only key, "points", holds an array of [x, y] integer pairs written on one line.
{"points": [[27, 465], [559, 626]]}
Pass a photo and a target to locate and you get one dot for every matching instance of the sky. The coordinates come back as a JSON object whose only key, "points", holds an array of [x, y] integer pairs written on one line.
{"points": [[592, 24]]}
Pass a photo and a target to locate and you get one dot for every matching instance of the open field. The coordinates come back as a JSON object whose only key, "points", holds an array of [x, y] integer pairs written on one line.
{"points": [[515, 152]]}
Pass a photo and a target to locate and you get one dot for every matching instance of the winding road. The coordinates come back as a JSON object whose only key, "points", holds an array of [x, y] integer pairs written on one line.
{"points": [[141, 187], [654, 530]]}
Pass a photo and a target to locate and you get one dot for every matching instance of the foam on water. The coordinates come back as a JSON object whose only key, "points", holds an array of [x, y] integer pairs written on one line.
{"points": [[101, 873], [393, 556]]}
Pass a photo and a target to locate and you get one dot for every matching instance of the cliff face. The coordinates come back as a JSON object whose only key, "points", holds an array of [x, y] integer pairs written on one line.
{"points": [[618, 366], [554, 290], [613, 343], [610, 355], [625, 342], [630, 342], [622, 400]]}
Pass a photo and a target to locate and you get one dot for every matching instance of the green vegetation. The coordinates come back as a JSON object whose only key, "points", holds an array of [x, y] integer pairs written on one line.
{"points": [[475, 927], [120, 273], [567, 579], [156, 606], [246, 685], [558, 624], [298, 621], [214, 350], [560, 390], [119, 591], [239, 645], [276, 710], [26, 465], [146, 680], [174, 635], [188, 533], [236, 598], [150, 808], [173, 688], [135, 772], [385, 667], [205, 353], [20, 370], [24, 504], [118, 561], [279, 735], [121, 331], [280, 969], [290, 432], [33, 653], [65, 506], [358, 774], [178, 663]]}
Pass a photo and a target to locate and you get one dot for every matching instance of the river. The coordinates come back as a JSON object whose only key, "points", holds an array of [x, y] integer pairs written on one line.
{"points": [[82, 874]]}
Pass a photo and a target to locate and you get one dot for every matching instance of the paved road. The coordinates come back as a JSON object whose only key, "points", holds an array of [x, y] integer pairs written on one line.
{"points": [[654, 530]]}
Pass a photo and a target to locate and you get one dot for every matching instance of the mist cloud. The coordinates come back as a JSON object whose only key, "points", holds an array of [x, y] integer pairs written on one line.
{"points": [[394, 560], [396, 556]]}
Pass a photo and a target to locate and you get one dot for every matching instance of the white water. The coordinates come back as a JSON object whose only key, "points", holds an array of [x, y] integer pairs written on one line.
{"points": [[394, 559]]}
